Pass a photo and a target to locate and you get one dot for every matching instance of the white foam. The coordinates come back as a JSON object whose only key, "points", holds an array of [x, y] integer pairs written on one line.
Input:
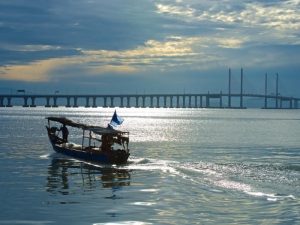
{"points": [[217, 179], [152, 164], [210, 175], [149, 190], [233, 185], [138, 161], [45, 156], [143, 203]]}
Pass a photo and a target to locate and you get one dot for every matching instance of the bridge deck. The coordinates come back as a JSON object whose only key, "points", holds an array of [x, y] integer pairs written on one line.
{"points": [[144, 100]]}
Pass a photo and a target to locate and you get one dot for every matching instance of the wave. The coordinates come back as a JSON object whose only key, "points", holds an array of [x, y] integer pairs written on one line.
{"points": [[220, 177], [243, 178]]}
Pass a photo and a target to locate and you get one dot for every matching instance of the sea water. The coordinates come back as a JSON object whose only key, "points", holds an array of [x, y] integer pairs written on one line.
{"points": [[187, 166]]}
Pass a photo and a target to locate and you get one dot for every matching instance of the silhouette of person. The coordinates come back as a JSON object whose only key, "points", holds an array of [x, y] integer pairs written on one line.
{"points": [[65, 132]]}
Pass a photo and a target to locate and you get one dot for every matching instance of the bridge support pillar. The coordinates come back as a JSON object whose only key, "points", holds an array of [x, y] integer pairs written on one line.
{"points": [[54, 102], [68, 102], [1, 102], [266, 102], [33, 102], [165, 101], [266, 91], [144, 102], [94, 102], [242, 90], [128, 102], [137, 101], [48, 102], [122, 102], [171, 101], [201, 101], [87, 102], [112, 102], [177, 102], [207, 101], [105, 102], [241, 101], [221, 100], [9, 102], [183, 99], [280, 103], [157, 98], [25, 102], [151, 102], [75, 102], [190, 101]]}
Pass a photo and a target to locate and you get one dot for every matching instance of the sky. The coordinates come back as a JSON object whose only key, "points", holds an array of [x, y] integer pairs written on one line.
{"points": [[148, 46]]}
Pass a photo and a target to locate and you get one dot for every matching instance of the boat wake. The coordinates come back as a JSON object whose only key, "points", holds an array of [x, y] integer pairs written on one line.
{"points": [[46, 156], [216, 177]]}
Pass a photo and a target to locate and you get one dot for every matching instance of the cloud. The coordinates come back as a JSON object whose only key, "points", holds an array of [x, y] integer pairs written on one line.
{"points": [[32, 72], [54, 69], [172, 48], [176, 10], [36, 71], [29, 48], [282, 18], [280, 15], [71, 24], [58, 40], [173, 52], [109, 69]]}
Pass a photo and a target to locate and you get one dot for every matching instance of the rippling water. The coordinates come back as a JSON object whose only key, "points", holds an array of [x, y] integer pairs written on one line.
{"points": [[201, 166]]}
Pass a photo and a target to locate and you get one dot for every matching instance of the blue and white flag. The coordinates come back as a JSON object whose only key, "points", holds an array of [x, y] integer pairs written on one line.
{"points": [[116, 120]]}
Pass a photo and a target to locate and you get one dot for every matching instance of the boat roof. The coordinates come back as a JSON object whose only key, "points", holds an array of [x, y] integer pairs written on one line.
{"points": [[96, 129]]}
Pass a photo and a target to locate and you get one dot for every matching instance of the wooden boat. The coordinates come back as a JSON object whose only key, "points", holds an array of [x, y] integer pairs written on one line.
{"points": [[99, 144]]}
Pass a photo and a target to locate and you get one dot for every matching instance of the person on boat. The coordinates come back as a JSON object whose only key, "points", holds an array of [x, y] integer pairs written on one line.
{"points": [[65, 133], [107, 142], [122, 141]]}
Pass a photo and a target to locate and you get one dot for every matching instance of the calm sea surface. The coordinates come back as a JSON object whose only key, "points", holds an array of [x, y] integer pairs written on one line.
{"points": [[187, 166]]}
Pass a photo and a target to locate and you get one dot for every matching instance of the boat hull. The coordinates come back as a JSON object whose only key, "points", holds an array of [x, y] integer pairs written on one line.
{"points": [[107, 157], [88, 154]]}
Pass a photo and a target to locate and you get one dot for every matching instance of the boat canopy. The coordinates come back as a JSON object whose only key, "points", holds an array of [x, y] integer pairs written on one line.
{"points": [[96, 129]]}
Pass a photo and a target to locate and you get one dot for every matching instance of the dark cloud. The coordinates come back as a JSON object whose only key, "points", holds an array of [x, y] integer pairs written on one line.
{"points": [[74, 24], [79, 23], [10, 57]]}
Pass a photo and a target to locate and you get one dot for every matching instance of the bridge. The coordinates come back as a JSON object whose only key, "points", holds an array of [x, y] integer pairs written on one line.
{"points": [[203, 100], [196, 100]]}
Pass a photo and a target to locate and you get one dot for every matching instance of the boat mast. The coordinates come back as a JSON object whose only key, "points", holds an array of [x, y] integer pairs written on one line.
{"points": [[90, 136], [82, 139]]}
